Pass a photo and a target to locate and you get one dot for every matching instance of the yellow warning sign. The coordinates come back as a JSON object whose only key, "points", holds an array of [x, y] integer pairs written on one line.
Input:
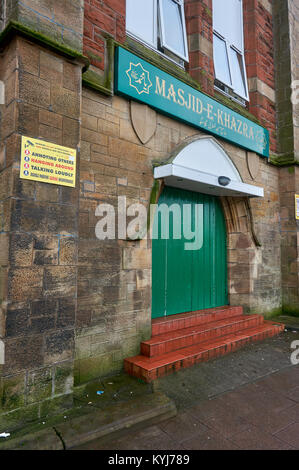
{"points": [[47, 162]]}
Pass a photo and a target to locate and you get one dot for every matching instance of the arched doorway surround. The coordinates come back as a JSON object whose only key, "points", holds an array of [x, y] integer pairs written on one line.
{"points": [[197, 166]]}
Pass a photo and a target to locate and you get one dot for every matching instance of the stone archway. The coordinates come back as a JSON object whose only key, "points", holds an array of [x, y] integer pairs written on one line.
{"points": [[242, 250], [192, 170]]}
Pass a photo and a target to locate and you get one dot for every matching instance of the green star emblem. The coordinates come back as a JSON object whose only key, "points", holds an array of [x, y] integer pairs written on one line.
{"points": [[139, 78]]}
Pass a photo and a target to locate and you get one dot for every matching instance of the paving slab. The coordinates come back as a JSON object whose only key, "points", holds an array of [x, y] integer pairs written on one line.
{"points": [[290, 322], [247, 400], [290, 435], [94, 423]]}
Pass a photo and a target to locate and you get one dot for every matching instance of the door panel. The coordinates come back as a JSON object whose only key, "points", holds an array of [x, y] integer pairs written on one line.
{"points": [[185, 280]]}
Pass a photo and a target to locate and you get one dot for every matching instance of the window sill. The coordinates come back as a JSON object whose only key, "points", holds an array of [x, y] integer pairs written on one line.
{"points": [[235, 106], [231, 97], [156, 51]]}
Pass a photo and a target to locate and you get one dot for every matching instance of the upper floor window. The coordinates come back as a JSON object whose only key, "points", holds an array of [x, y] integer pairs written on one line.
{"points": [[160, 24], [229, 63]]}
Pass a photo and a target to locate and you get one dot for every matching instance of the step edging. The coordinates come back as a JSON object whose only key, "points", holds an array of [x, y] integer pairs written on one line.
{"points": [[198, 336], [182, 360], [175, 322]]}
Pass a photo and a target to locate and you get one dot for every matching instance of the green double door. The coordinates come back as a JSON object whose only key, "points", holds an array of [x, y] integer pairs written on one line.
{"points": [[189, 269]]}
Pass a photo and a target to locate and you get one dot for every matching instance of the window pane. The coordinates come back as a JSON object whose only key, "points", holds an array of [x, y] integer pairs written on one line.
{"points": [[141, 21], [172, 27], [228, 21], [221, 61], [238, 73]]}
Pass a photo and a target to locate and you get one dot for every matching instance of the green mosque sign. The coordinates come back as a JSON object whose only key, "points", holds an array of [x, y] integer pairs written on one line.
{"points": [[139, 80]]}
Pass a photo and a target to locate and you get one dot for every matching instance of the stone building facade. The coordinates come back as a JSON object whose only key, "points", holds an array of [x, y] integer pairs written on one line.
{"points": [[73, 306]]}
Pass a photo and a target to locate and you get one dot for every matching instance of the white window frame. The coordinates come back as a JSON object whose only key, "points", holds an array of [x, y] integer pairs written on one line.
{"points": [[230, 46], [180, 3], [135, 34], [159, 31]]}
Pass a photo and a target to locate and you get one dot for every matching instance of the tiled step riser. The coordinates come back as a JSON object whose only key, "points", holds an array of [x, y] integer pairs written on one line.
{"points": [[158, 328], [203, 356], [178, 343]]}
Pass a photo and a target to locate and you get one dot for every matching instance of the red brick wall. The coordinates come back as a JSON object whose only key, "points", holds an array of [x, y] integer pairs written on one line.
{"points": [[258, 38], [108, 16], [199, 26], [102, 18]]}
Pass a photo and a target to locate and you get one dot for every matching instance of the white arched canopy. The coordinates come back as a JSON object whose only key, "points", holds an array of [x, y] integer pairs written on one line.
{"points": [[198, 167]]}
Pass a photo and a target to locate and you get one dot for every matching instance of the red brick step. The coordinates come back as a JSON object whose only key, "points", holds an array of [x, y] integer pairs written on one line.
{"points": [[177, 339], [189, 319], [151, 368]]}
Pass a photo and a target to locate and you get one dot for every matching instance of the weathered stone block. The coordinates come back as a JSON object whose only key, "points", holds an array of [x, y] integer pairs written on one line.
{"points": [[63, 378], [5, 215], [72, 77], [45, 257], [93, 252], [47, 192], [85, 150], [42, 324], [5, 183], [20, 252], [39, 385], [93, 107], [68, 196], [34, 90], [25, 283], [136, 258], [84, 314], [94, 137], [28, 57], [2, 157], [51, 67], [23, 353], [62, 219], [93, 367], [17, 320], [28, 216], [43, 308], [59, 281], [4, 249], [21, 188], [66, 313], [71, 132], [44, 7], [59, 346], [13, 148], [50, 118], [8, 124], [68, 251], [90, 122], [10, 87], [56, 405], [28, 119], [70, 13], [51, 134], [12, 392], [83, 347], [17, 418], [65, 102]]}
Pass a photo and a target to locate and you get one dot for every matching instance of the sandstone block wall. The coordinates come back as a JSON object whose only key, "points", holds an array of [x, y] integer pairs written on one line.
{"points": [[39, 232], [114, 277], [61, 21], [73, 306]]}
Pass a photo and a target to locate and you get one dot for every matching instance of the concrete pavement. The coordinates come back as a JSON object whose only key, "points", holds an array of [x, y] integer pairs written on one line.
{"points": [[247, 400]]}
